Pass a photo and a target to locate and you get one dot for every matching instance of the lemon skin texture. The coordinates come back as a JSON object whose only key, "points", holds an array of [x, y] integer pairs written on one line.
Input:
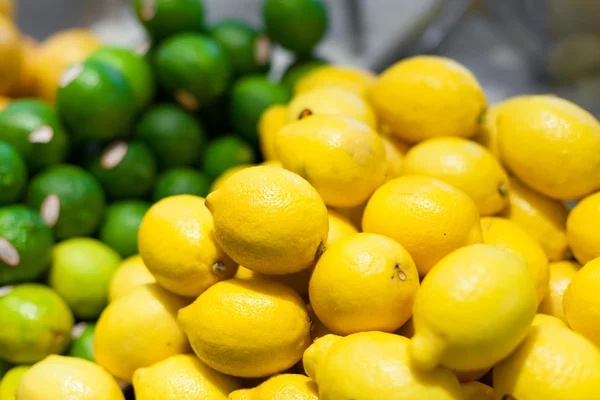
{"points": [[561, 274], [582, 229], [477, 391], [271, 121], [352, 79], [284, 386], [581, 303], [544, 319], [131, 274]]}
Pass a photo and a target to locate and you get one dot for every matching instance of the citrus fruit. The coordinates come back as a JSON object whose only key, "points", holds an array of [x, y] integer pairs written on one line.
{"points": [[271, 121], [181, 376], [176, 181], [545, 319], [429, 218], [236, 327], [339, 227], [460, 314], [561, 274], [8, 384], [82, 341], [269, 220], [283, 386], [69, 199], [119, 228], [477, 391], [4, 367], [465, 165], [26, 85], [11, 53], [355, 155], [25, 245], [131, 274], [35, 131], [314, 354], [165, 18], [224, 153], [428, 96], [395, 151], [4, 101], [36, 322], [218, 183], [13, 174], [175, 136], [582, 232], [487, 135], [351, 79], [298, 70], [7, 8]]}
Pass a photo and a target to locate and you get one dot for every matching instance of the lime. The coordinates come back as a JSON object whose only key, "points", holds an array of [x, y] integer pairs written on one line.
{"points": [[36, 322], [34, 130], [13, 174], [180, 181], [248, 49], [174, 135], [251, 96], [164, 18], [81, 272], [134, 68], [125, 170], [95, 101], [8, 384], [193, 68], [226, 152], [25, 245], [4, 367], [82, 343], [297, 25], [298, 70], [120, 226], [70, 200]]}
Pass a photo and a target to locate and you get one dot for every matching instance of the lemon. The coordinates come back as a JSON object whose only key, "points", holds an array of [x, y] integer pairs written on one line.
{"points": [[582, 229], [375, 366], [349, 273], [465, 165], [131, 274], [4, 101], [331, 101], [315, 353], [226, 175], [284, 386], [317, 328], [543, 319], [562, 135], [428, 96], [561, 274], [139, 330], [10, 381], [581, 302], [473, 309], [470, 376], [182, 376], [342, 158], [177, 244], [297, 281], [395, 150], [429, 218], [477, 391], [552, 363], [271, 121], [60, 378], [348, 78], [11, 54], [507, 235], [542, 217], [7, 8], [269, 220], [247, 328], [353, 214], [339, 227]]}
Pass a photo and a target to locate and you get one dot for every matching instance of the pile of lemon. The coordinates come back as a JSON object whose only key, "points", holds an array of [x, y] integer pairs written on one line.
{"points": [[402, 242]]}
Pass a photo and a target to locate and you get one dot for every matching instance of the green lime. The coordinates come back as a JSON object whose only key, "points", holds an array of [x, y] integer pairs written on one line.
{"points": [[134, 67], [251, 96], [164, 18], [125, 170], [297, 25], [174, 135], [298, 70], [4, 367], [13, 174], [120, 226], [34, 129], [226, 152], [82, 343], [36, 322], [81, 272], [193, 68], [69, 198], [25, 245], [8, 384], [248, 49], [95, 101], [181, 181]]}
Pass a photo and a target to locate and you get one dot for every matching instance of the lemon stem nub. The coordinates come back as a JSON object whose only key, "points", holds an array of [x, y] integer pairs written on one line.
{"points": [[320, 250], [219, 268], [305, 113], [503, 189], [425, 351]]}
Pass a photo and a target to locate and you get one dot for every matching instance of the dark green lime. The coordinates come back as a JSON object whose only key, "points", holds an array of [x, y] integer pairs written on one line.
{"points": [[164, 18], [82, 343], [299, 70], [13, 174], [226, 152], [181, 181], [121, 224]]}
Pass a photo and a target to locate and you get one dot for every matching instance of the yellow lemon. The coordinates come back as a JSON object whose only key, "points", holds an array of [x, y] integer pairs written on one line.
{"points": [[10, 381], [272, 163], [139, 330], [271, 121], [428, 96], [269, 220], [552, 363], [182, 376], [470, 376], [11, 54], [354, 214], [60, 378], [284, 386], [582, 229], [332, 101], [339, 227], [395, 150], [317, 328], [376, 366], [407, 330], [342, 158], [226, 175], [177, 244], [315, 353], [544, 319], [4, 101], [465, 165], [507, 235], [477, 391], [7, 8], [344, 281], [348, 78], [473, 309], [487, 135], [247, 328], [131, 274], [26, 85], [561, 274], [297, 281], [429, 218], [582, 303], [542, 217], [551, 144]]}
